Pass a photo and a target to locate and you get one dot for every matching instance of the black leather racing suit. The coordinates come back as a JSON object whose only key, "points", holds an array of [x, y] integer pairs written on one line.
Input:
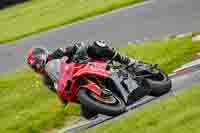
{"points": [[79, 53]]}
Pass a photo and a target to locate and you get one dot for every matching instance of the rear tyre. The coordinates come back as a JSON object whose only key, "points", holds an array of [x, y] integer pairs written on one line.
{"points": [[90, 100]]}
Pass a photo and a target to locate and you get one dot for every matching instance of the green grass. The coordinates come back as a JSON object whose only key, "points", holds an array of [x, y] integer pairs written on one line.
{"points": [[28, 107], [40, 15], [177, 114]]}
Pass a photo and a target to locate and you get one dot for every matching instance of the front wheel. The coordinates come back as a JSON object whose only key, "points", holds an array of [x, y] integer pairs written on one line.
{"points": [[107, 105], [159, 84]]}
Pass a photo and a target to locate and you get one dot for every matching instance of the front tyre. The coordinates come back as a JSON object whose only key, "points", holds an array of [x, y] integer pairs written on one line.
{"points": [[109, 105], [160, 84]]}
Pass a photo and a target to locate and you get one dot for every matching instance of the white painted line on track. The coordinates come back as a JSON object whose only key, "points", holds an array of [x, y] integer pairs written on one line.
{"points": [[184, 35]]}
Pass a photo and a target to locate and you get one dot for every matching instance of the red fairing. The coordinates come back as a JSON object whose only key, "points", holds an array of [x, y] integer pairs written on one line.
{"points": [[70, 72], [66, 74], [98, 69], [93, 87]]}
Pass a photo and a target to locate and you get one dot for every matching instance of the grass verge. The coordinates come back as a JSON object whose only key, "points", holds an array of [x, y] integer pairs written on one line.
{"points": [[37, 16], [27, 106]]}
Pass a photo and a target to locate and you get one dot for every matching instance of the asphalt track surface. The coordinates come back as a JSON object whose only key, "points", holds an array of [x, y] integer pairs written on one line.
{"points": [[180, 82], [150, 20]]}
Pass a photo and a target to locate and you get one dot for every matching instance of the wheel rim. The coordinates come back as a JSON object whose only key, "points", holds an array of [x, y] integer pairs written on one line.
{"points": [[104, 99]]}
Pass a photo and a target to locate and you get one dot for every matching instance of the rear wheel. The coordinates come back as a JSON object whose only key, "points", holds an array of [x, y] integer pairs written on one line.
{"points": [[110, 105]]}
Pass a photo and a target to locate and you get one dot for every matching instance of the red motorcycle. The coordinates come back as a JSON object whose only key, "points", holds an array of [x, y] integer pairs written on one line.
{"points": [[106, 88]]}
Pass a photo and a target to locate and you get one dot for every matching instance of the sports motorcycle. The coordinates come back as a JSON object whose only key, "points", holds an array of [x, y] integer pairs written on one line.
{"points": [[105, 87]]}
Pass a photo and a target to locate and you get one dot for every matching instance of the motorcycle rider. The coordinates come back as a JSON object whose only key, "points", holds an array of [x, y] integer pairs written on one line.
{"points": [[37, 58]]}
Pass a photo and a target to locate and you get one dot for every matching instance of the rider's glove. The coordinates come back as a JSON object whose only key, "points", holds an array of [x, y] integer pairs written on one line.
{"points": [[134, 63], [137, 65]]}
